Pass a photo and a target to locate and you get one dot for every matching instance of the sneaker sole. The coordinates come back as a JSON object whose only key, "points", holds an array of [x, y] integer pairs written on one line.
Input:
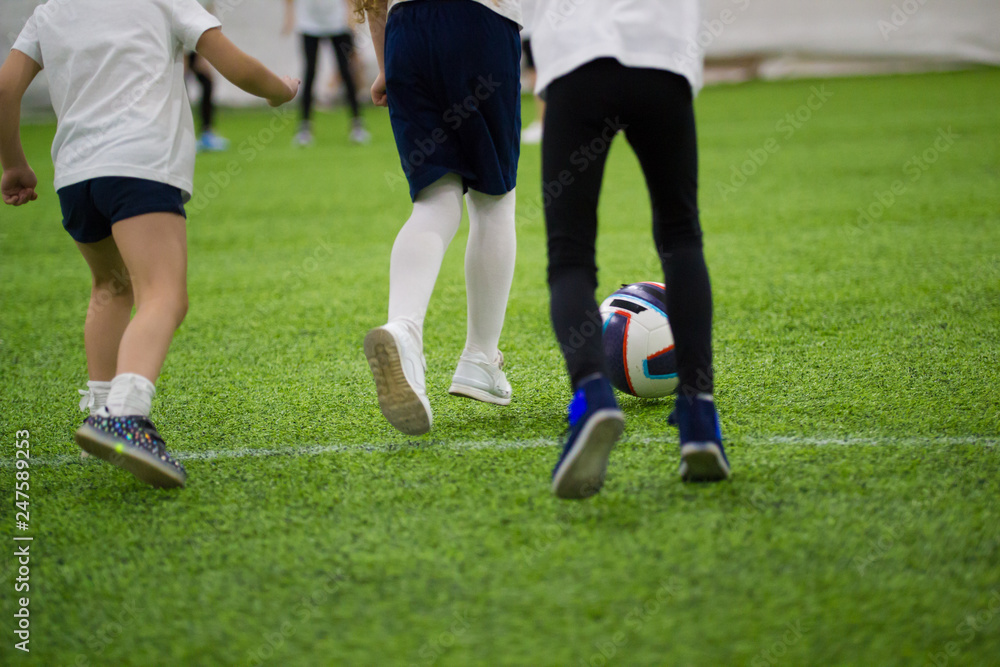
{"points": [[144, 466], [582, 472], [404, 408], [703, 462], [474, 393]]}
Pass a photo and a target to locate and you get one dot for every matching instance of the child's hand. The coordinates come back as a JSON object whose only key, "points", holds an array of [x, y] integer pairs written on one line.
{"points": [[292, 86], [379, 95], [18, 185]]}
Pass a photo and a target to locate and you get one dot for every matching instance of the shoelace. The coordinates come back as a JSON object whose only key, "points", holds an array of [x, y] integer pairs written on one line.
{"points": [[87, 400]]}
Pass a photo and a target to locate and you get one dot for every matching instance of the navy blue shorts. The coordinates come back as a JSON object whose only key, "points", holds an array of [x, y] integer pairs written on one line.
{"points": [[89, 208], [453, 79]]}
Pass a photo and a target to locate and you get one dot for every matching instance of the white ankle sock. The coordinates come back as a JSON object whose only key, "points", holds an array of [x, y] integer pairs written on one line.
{"points": [[95, 397], [489, 270], [130, 394], [420, 246]]}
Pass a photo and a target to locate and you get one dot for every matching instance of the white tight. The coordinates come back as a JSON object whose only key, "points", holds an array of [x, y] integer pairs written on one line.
{"points": [[489, 260]]}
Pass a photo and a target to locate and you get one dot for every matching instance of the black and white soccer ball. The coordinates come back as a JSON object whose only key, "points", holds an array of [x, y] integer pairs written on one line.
{"points": [[638, 342]]}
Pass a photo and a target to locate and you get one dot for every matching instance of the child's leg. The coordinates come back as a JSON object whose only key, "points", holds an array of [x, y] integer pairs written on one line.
{"points": [[580, 106], [489, 270], [110, 307], [662, 132], [343, 47], [419, 249], [203, 75], [154, 248], [310, 51]]}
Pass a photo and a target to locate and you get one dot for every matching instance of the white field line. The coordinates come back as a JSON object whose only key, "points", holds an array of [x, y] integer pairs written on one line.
{"points": [[501, 445]]}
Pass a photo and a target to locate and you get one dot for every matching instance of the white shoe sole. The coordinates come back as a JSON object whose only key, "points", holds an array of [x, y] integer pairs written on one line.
{"points": [[145, 466], [703, 462], [459, 389], [582, 472], [404, 408]]}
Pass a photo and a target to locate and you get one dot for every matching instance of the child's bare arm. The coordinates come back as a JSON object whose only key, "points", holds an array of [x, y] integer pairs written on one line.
{"points": [[18, 183], [245, 71], [289, 25]]}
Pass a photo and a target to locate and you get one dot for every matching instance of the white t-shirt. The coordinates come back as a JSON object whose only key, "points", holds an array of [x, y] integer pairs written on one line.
{"points": [[528, 11], [116, 78], [658, 34], [320, 18], [510, 9]]}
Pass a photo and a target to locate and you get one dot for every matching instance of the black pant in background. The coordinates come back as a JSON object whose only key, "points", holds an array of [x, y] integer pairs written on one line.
{"points": [[207, 105], [654, 109], [343, 47]]}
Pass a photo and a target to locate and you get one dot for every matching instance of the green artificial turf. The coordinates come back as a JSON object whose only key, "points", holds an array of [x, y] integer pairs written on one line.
{"points": [[857, 373]]}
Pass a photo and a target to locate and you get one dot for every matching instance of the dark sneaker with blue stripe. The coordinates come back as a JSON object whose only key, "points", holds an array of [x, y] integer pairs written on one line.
{"points": [[133, 444], [703, 459], [595, 424]]}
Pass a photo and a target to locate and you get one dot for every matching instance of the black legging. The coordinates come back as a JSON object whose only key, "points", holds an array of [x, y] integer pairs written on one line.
{"points": [[654, 108], [207, 89], [343, 47]]}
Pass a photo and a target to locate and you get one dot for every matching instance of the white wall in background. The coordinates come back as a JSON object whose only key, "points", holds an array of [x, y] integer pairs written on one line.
{"points": [[916, 31]]}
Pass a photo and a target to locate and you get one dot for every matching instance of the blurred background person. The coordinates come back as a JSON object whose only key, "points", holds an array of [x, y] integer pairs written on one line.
{"points": [[315, 21], [532, 134], [208, 140]]}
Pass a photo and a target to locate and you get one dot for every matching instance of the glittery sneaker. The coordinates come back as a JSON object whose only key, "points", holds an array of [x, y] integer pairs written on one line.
{"points": [[703, 458], [397, 362], [595, 424], [481, 380], [132, 444]]}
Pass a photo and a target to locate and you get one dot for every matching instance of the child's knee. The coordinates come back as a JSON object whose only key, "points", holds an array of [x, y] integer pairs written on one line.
{"points": [[112, 286]]}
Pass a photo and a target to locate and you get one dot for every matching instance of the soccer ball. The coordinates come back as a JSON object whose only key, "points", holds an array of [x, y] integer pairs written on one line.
{"points": [[638, 342]]}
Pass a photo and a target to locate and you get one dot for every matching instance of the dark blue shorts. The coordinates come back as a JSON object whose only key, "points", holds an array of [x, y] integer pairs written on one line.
{"points": [[453, 79], [89, 208]]}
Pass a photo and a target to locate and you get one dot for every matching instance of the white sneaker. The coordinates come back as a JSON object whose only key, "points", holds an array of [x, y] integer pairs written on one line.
{"points": [[303, 138], [398, 366], [532, 134], [359, 135], [481, 380]]}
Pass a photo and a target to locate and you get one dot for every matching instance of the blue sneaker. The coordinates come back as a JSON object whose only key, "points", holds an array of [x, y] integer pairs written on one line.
{"points": [[210, 142], [595, 424], [703, 459]]}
